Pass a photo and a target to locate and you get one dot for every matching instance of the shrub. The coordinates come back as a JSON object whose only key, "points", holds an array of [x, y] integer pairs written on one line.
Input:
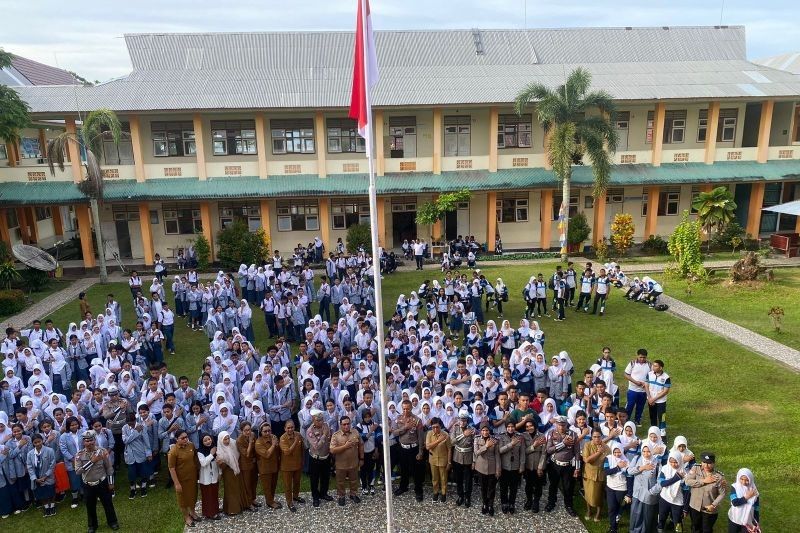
{"points": [[35, 280], [238, 245], [578, 229], [12, 301], [684, 246], [5, 252], [358, 235], [655, 245], [203, 249], [724, 237], [622, 230], [602, 250], [8, 274]]}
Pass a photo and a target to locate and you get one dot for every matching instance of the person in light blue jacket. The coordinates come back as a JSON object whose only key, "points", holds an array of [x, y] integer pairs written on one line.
{"points": [[70, 443], [41, 463], [644, 496], [138, 455]]}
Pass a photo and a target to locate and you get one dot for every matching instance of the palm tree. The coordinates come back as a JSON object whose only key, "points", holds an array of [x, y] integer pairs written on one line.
{"points": [[15, 115], [98, 125], [572, 132], [715, 209]]}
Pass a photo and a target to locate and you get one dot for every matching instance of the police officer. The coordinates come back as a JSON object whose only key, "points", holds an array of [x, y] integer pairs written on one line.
{"points": [[708, 488], [94, 466], [512, 463], [318, 436], [535, 465], [462, 437], [563, 447], [409, 433]]}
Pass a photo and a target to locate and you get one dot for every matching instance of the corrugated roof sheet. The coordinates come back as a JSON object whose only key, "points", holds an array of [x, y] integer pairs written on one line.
{"points": [[40, 74], [789, 62]]}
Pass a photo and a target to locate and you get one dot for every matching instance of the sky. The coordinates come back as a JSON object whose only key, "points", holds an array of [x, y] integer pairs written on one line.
{"points": [[85, 36]]}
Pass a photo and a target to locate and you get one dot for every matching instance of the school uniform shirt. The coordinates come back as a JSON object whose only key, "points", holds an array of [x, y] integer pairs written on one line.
{"points": [[639, 372], [586, 284], [167, 317], [658, 383], [602, 285]]}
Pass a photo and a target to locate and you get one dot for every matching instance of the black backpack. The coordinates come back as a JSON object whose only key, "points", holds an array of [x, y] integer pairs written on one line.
{"points": [[661, 307]]}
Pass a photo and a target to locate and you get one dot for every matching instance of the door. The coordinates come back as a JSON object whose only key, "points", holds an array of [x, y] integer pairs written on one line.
{"points": [[404, 226], [622, 133], [451, 225], [611, 210], [123, 237], [463, 219], [741, 195]]}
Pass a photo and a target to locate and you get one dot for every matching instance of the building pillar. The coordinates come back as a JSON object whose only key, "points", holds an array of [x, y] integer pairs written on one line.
{"points": [[58, 222], [73, 153], [764, 126], [651, 221], [599, 226], [33, 224], [147, 233], [24, 231], [85, 231], [11, 152], [493, 121], [546, 210], [325, 222], [491, 221], [262, 146], [136, 143], [711, 132], [42, 143], [5, 235], [754, 209], [200, 148], [265, 220], [319, 126], [706, 187], [382, 222], [658, 133], [380, 163], [437, 140], [436, 228], [205, 220]]}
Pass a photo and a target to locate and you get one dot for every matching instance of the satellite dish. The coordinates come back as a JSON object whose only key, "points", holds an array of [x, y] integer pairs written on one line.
{"points": [[34, 257]]}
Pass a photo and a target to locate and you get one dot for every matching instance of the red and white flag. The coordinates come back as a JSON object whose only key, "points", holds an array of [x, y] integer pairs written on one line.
{"points": [[365, 71]]}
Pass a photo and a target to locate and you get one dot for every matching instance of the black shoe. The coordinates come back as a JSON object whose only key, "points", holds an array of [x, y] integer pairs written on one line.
{"points": [[467, 503], [459, 501], [355, 498], [512, 509], [341, 501], [527, 506], [435, 497], [549, 507], [300, 500], [399, 492], [292, 508], [114, 526], [315, 502], [536, 506], [327, 497], [132, 494], [419, 497], [571, 512], [443, 499], [91, 530], [143, 491], [491, 511], [503, 508]]}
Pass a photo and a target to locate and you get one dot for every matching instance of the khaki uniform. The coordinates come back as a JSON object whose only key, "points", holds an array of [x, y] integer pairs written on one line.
{"points": [[268, 455], [487, 464], [291, 465], [347, 460], [439, 459], [702, 495], [96, 479]]}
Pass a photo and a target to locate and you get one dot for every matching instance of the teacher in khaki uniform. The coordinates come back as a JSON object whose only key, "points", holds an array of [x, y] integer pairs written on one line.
{"points": [[348, 448], [487, 465], [708, 491], [437, 442], [291, 464], [268, 455]]}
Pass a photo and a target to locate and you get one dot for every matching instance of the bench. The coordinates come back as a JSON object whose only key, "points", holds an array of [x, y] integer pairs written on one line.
{"points": [[788, 243]]}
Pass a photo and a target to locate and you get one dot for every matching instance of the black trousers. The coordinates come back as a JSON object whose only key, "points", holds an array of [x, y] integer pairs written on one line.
{"points": [[319, 474], [119, 450], [657, 412], [410, 467], [570, 295], [584, 300], [561, 476], [419, 259], [533, 484], [103, 493], [509, 486], [666, 509], [560, 307], [488, 487], [702, 522], [463, 479], [599, 299]]}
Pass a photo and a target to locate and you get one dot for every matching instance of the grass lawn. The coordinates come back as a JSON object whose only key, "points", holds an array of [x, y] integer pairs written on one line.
{"points": [[714, 402], [748, 304], [55, 286], [666, 259]]}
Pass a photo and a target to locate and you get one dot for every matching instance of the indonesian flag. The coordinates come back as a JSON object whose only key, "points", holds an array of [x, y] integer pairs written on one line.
{"points": [[365, 70]]}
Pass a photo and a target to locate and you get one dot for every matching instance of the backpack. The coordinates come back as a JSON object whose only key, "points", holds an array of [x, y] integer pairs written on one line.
{"points": [[661, 307]]}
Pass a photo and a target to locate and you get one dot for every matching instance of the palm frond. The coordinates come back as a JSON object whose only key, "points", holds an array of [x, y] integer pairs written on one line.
{"points": [[57, 150], [535, 92], [602, 101], [93, 126], [577, 84], [600, 158], [601, 126]]}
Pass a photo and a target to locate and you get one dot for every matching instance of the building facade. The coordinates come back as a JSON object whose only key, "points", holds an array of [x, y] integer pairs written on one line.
{"points": [[254, 126]]}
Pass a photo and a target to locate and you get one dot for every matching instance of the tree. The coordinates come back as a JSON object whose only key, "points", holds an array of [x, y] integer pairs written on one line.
{"points": [[237, 245], [715, 209], [622, 230], [15, 113], [579, 230], [684, 246], [564, 113], [432, 212], [359, 236], [203, 250], [99, 125]]}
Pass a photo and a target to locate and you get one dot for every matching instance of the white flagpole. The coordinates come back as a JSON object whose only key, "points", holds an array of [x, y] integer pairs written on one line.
{"points": [[376, 270]]}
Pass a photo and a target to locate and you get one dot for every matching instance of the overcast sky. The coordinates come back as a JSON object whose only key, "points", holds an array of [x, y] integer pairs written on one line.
{"points": [[85, 36]]}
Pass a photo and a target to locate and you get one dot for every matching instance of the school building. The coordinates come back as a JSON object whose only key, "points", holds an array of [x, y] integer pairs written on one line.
{"points": [[253, 126]]}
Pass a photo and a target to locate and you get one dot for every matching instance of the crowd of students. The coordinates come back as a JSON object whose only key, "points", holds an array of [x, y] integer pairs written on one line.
{"points": [[466, 399]]}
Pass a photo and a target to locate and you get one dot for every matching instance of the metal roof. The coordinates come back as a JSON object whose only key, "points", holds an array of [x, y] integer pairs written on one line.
{"points": [[441, 67], [36, 73], [311, 185], [789, 62]]}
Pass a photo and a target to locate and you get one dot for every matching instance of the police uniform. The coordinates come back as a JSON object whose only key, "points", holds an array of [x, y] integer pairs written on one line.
{"points": [[704, 495], [411, 439], [463, 457], [487, 465], [97, 474], [565, 460], [512, 463]]}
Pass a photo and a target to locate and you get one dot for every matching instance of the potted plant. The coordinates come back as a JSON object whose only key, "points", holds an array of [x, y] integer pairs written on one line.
{"points": [[577, 232]]}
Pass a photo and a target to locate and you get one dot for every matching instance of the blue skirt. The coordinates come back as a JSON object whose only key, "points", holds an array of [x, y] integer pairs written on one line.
{"points": [[44, 492]]}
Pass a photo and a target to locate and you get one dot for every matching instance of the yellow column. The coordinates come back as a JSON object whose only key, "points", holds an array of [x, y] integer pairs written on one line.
{"points": [[711, 132], [265, 220], [200, 145], [599, 227], [493, 121], [382, 222], [491, 220], [24, 230], [706, 187], [205, 220], [754, 210], [322, 164], [436, 229], [147, 232], [42, 142], [74, 155], [138, 158], [651, 221], [658, 133], [263, 145], [58, 223], [547, 219], [85, 232], [5, 236], [33, 224], [437, 142], [379, 161], [325, 222], [764, 125]]}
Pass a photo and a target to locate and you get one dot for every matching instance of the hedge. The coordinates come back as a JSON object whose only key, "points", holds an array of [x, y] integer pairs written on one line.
{"points": [[12, 301]]}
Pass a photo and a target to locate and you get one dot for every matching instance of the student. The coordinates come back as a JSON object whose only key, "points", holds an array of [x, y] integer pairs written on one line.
{"points": [[615, 468], [40, 462], [587, 283], [644, 504], [602, 284], [743, 514], [657, 387], [670, 502], [138, 455]]}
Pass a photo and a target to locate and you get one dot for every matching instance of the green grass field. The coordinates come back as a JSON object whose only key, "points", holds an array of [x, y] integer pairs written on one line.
{"points": [[725, 399]]}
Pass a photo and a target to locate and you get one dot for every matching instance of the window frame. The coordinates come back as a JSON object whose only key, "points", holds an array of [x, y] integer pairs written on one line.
{"points": [[228, 213], [669, 203], [510, 210], [297, 210], [349, 213], [574, 201], [3, 151], [233, 137], [175, 219], [348, 143], [112, 149], [725, 126], [178, 135], [513, 127], [462, 129]]}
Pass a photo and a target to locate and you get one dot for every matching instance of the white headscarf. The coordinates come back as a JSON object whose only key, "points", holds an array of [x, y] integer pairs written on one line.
{"points": [[673, 493], [229, 454], [744, 514]]}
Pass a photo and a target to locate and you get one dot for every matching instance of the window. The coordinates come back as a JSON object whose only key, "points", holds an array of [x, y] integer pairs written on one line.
{"points": [[650, 126], [702, 126], [696, 190], [615, 195], [298, 215], [622, 125], [726, 127], [3, 152], [154, 217], [457, 135], [403, 137], [248, 213], [43, 213], [348, 213], [343, 136], [644, 204], [292, 136], [233, 137], [173, 139], [128, 212], [668, 201], [514, 131], [573, 205], [674, 127], [29, 148], [512, 208], [121, 154], [182, 219]]}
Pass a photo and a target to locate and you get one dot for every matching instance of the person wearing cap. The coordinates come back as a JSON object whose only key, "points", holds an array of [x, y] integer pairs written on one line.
{"points": [[708, 489], [487, 465], [93, 464], [462, 437], [318, 437], [563, 447], [409, 433], [114, 411], [348, 448]]}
